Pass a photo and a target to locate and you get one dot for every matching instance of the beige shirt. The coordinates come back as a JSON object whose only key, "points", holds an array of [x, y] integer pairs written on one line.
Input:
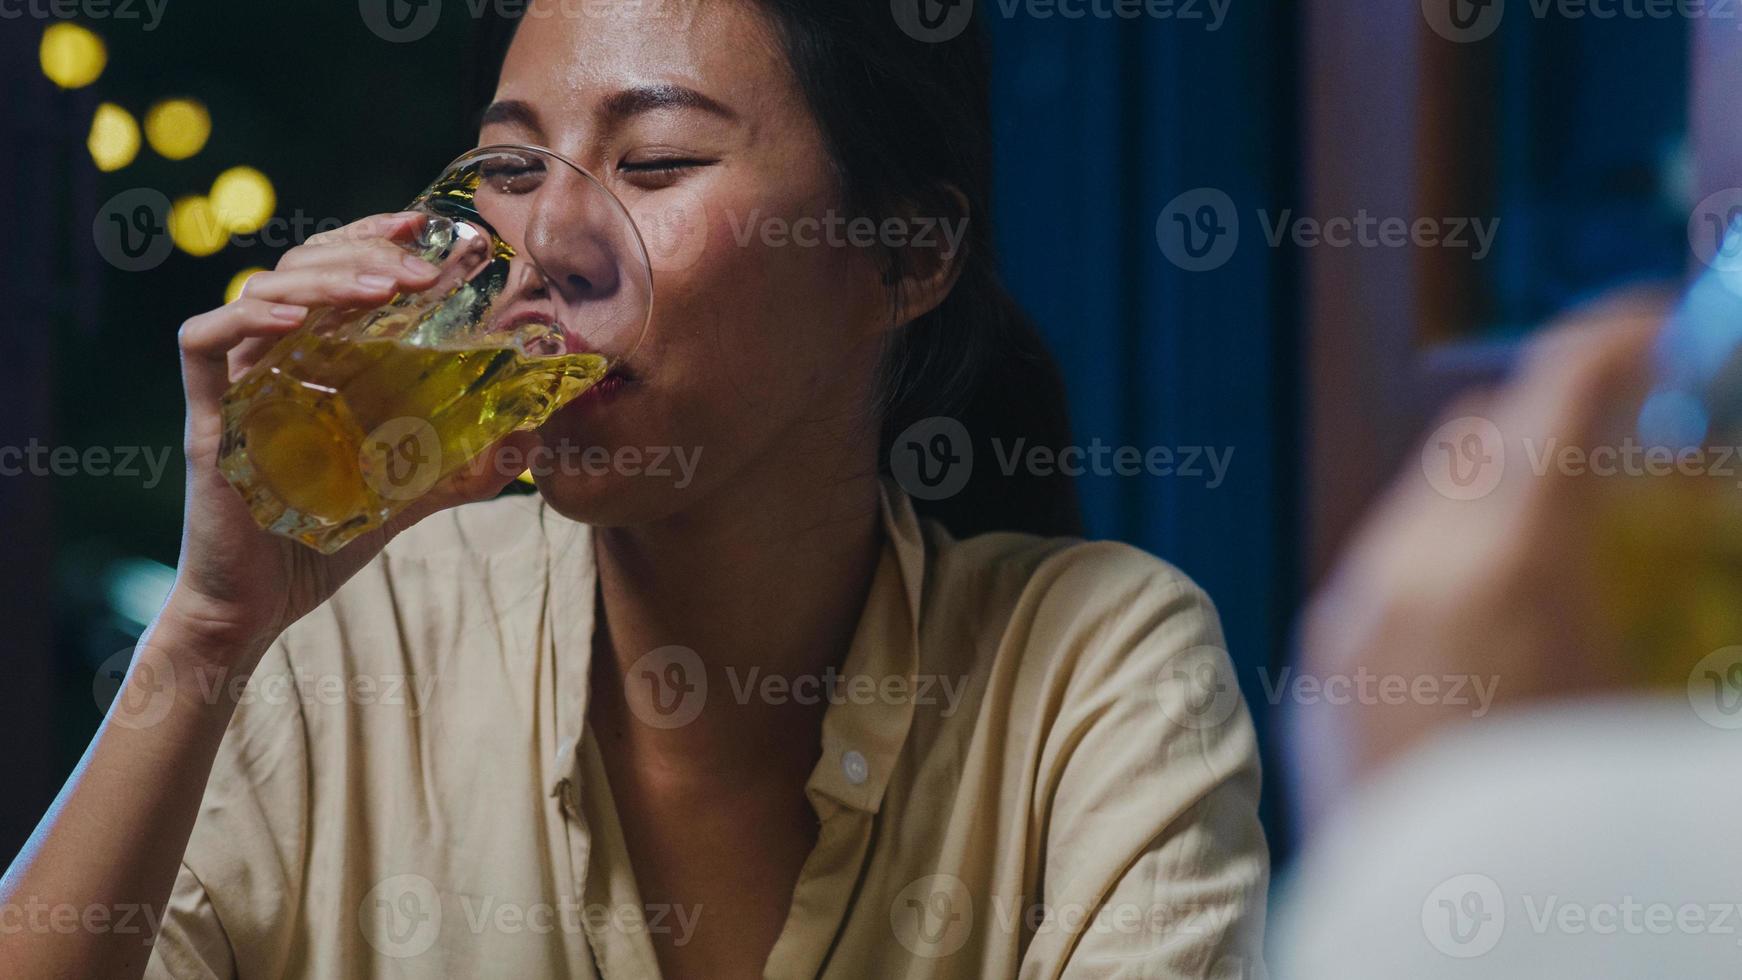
{"points": [[1035, 762]]}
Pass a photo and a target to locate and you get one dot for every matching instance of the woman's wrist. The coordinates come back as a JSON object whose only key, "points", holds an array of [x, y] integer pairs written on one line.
{"points": [[201, 629], [190, 659]]}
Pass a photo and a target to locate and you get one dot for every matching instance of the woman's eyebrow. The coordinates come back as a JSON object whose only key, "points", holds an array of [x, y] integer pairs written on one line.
{"points": [[649, 98], [620, 106], [511, 112]]}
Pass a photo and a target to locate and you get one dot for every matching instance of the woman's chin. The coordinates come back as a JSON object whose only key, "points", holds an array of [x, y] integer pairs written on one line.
{"points": [[607, 499]]}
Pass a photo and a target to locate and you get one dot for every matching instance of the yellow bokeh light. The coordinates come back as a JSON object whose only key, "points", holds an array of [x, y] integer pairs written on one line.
{"points": [[244, 199], [233, 291], [114, 139], [72, 56], [178, 128], [194, 227]]}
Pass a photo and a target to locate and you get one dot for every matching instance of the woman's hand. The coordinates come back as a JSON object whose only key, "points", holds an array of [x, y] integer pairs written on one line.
{"points": [[1500, 595], [237, 587]]}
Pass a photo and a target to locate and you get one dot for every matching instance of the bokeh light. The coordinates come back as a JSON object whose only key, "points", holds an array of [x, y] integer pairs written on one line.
{"points": [[178, 128], [244, 199], [72, 56], [194, 227], [114, 139], [233, 291]]}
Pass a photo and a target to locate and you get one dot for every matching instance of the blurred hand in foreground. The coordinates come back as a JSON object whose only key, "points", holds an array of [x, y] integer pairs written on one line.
{"points": [[1486, 577]]}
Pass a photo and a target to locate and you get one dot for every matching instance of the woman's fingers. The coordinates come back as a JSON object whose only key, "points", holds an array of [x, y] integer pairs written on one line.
{"points": [[393, 227], [206, 341], [343, 284], [376, 238]]}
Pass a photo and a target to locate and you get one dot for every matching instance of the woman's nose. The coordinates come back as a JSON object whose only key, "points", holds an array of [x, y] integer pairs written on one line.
{"points": [[572, 234]]}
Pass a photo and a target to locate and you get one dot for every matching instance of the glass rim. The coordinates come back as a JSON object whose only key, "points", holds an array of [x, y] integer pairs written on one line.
{"points": [[640, 242]]}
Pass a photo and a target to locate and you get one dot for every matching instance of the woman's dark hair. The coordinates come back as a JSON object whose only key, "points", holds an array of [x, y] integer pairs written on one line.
{"points": [[905, 120]]}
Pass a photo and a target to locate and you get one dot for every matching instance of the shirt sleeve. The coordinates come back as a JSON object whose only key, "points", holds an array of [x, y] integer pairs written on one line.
{"points": [[191, 944], [233, 906], [1156, 863]]}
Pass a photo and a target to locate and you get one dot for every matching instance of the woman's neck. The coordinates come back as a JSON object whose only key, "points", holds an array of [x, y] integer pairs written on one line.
{"points": [[765, 578]]}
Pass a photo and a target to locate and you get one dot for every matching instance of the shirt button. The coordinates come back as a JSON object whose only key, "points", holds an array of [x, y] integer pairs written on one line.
{"points": [[855, 766]]}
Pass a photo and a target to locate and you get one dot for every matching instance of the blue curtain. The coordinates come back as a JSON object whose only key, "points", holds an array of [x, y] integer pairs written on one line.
{"points": [[1101, 124]]}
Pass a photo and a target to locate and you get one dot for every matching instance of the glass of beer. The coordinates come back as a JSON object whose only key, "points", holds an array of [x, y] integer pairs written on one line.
{"points": [[358, 413]]}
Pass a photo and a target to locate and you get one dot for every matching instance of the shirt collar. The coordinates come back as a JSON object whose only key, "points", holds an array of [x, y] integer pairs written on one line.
{"points": [[866, 725]]}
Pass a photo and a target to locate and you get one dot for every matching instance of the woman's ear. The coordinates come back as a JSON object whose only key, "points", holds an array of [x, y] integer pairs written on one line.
{"points": [[926, 246]]}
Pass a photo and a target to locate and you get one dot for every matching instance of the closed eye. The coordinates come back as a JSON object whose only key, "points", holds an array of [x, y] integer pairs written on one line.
{"points": [[661, 171]]}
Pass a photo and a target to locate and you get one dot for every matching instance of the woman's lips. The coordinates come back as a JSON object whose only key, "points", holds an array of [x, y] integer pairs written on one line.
{"points": [[607, 389]]}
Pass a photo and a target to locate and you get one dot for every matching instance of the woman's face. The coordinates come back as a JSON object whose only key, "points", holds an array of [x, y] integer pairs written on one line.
{"points": [[761, 352]]}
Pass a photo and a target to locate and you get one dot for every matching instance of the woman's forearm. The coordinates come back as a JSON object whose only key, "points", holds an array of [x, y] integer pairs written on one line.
{"points": [[86, 894]]}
